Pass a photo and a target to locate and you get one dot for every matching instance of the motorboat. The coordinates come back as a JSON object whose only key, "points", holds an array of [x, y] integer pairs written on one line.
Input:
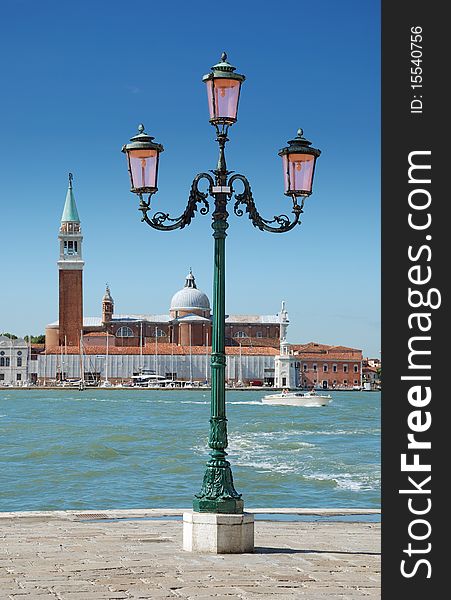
{"points": [[295, 398], [147, 379], [72, 383]]}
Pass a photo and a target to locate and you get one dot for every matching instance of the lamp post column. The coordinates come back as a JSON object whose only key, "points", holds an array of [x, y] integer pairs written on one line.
{"points": [[218, 357], [218, 494]]}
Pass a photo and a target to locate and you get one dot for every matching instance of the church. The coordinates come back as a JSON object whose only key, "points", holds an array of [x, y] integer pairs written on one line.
{"points": [[188, 322], [176, 345]]}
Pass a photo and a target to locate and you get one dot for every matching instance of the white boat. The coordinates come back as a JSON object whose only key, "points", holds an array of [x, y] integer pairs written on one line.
{"points": [[293, 398], [148, 379], [72, 383]]}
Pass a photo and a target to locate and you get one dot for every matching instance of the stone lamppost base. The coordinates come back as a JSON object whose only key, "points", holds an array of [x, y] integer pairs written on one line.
{"points": [[218, 533]]}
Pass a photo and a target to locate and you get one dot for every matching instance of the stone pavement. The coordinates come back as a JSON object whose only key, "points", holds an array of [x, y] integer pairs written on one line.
{"points": [[67, 555]]}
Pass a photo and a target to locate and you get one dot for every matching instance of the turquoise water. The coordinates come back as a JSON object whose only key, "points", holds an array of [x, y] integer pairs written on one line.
{"points": [[100, 449]]}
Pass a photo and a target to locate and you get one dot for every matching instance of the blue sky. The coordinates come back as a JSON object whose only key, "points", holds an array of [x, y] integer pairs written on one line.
{"points": [[78, 78]]}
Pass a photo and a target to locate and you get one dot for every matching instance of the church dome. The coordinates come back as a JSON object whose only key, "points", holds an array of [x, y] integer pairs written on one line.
{"points": [[189, 297]]}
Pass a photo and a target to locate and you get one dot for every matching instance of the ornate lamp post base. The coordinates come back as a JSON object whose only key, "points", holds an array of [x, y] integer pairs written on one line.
{"points": [[229, 506], [218, 494]]}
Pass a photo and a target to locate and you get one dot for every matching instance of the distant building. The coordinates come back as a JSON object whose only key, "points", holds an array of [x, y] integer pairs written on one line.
{"points": [[170, 361], [327, 366], [176, 345], [370, 376], [373, 362], [13, 361], [315, 365], [188, 322], [70, 268]]}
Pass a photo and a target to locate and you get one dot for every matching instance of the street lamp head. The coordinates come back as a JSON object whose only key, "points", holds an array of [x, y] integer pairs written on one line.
{"points": [[298, 160], [142, 158], [223, 90]]}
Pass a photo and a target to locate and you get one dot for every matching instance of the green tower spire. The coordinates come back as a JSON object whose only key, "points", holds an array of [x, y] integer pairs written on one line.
{"points": [[70, 212]]}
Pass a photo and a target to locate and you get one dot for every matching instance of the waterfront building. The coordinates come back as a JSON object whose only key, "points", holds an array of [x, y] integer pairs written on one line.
{"points": [[370, 376], [181, 363], [308, 366], [318, 365], [373, 362], [315, 365], [326, 366], [177, 344], [14, 359]]}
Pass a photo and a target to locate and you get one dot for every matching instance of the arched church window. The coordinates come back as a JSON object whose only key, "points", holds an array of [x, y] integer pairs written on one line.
{"points": [[124, 332], [159, 333], [240, 334]]}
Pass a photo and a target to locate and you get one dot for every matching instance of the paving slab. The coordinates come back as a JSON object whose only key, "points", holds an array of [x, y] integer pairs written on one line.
{"points": [[128, 554]]}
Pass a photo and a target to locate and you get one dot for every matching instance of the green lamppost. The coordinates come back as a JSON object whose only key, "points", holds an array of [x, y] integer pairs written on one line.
{"points": [[218, 494]]}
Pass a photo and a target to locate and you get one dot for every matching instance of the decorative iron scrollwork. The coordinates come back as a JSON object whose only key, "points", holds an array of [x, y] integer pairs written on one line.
{"points": [[218, 483], [196, 196], [246, 199], [218, 433]]}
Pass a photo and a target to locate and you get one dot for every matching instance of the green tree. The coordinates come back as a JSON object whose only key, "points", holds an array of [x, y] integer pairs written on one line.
{"points": [[36, 339], [11, 336]]}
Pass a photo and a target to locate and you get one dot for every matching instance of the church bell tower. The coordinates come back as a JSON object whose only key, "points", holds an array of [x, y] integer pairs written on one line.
{"points": [[70, 268], [107, 306]]}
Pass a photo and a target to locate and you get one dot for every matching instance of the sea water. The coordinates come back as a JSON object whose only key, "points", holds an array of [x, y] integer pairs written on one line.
{"points": [[99, 448]]}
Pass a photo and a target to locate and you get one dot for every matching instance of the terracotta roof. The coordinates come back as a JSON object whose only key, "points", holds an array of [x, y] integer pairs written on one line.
{"points": [[165, 348], [330, 357], [313, 350], [98, 334]]}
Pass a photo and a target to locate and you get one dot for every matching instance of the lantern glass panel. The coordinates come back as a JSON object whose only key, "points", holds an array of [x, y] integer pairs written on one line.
{"points": [[298, 172], [143, 168], [223, 95]]}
